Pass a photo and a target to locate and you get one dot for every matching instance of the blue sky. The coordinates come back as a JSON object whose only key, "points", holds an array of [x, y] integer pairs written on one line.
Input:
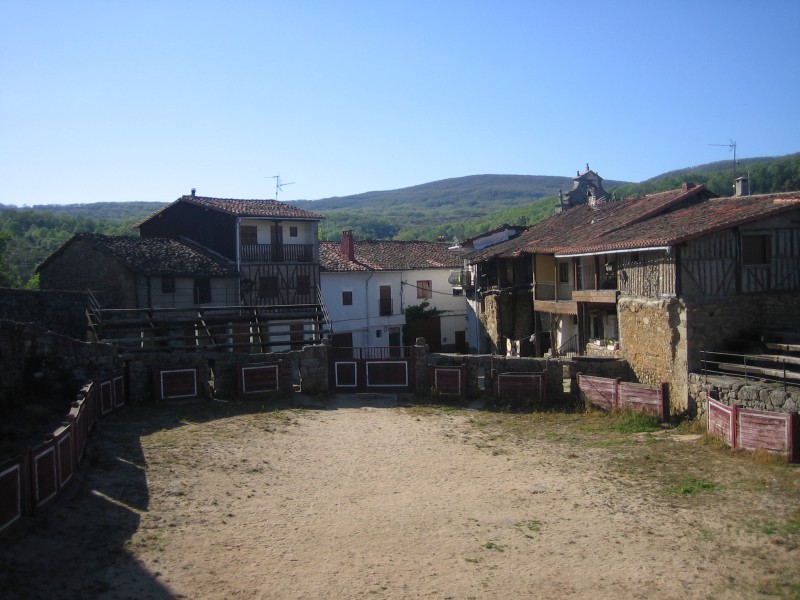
{"points": [[119, 101]]}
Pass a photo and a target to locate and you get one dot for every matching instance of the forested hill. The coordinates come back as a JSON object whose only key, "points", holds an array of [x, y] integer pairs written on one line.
{"points": [[456, 208]]}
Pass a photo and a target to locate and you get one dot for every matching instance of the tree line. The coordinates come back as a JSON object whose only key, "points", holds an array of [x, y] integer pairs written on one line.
{"points": [[455, 209]]}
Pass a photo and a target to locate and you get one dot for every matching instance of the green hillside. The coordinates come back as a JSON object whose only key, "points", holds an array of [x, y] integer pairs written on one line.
{"points": [[455, 208]]}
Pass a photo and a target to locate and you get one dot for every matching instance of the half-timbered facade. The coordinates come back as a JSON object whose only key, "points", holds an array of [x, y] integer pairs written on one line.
{"points": [[658, 278], [272, 244]]}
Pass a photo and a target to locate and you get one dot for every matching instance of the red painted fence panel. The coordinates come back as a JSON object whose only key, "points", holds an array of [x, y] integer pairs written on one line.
{"points": [[176, 383], [752, 429], [722, 421], [11, 490], [644, 398], [258, 378], [600, 391], [44, 473], [64, 440], [758, 429], [106, 397], [521, 386], [119, 391], [448, 382]]}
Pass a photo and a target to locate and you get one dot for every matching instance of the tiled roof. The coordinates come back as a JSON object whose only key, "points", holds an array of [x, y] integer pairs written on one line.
{"points": [[156, 256], [663, 219], [389, 256], [691, 222], [582, 225], [245, 208]]}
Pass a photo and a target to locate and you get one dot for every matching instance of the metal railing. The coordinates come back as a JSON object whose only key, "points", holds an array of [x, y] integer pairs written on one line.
{"points": [[569, 348], [276, 253], [753, 367]]}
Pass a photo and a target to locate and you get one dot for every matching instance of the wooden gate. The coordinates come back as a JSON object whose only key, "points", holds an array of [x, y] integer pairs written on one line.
{"points": [[377, 370]]}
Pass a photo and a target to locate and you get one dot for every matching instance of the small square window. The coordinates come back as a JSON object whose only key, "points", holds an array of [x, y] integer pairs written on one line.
{"points": [[755, 250], [292, 231], [347, 298], [424, 289], [167, 285]]}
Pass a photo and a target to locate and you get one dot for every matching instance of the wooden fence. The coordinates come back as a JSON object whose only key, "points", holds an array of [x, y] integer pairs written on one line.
{"points": [[520, 390], [448, 382], [35, 478], [611, 394], [751, 429]]}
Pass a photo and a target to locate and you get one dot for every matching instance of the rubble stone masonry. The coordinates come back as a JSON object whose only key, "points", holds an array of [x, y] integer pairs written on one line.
{"points": [[653, 341]]}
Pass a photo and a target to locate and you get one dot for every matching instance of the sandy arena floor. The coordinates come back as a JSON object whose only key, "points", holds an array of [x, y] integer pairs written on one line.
{"points": [[362, 498]]}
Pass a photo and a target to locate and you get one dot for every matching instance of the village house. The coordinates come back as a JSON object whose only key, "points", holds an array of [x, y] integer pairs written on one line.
{"points": [[368, 286], [657, 278], [479, 341], [126, 272], [244, 274], [272, 244]]}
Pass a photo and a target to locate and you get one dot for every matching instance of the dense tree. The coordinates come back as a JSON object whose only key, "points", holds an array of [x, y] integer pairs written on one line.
{"points": [[8, 278]]}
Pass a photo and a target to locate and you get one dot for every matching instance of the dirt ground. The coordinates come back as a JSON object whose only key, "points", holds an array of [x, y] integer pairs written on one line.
{"points": [[362, 497]]}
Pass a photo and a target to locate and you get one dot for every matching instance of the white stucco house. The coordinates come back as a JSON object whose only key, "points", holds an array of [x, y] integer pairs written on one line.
{"points": [[367, 286]]}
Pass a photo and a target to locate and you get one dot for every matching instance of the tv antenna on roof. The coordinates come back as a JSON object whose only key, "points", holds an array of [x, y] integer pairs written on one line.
{"points": [[731, 146], [279, 184]]}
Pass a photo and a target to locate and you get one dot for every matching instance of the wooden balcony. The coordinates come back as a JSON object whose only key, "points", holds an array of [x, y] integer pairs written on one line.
{"points": [[595, 296], [271, 253]]}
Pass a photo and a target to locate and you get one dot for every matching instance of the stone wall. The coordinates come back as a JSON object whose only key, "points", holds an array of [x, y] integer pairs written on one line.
{"points": [[307, 367], [735, 390], [654, 342], [59, 311], [40, 375]]}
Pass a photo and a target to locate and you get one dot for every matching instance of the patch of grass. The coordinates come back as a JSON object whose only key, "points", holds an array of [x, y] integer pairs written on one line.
{"points": [[473, 560], [692, 486], [528, 527], [493, 546], [631, 421]]}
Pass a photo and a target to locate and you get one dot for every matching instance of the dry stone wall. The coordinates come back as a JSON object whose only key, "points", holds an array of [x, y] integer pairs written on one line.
{"points": [[735, 390], [59, 311]]}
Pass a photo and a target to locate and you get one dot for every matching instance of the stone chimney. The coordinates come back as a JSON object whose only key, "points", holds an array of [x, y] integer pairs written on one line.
{"points": [[193, 191], [741, 186], [347, 248], [688, 186]]}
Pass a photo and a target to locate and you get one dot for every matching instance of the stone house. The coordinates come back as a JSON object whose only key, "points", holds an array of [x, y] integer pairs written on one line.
{"points": [[479, 341], [662, 277], [136, 273], [368, 285]]}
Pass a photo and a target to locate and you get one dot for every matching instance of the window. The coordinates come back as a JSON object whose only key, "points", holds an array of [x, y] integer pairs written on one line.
{"points": [[202, 290], [167, 285], [563, 272], [248, 235], [424, 289], [347, 298], [457, 291], [385, 301], [268, 286], [292, 231], [756, 250]]}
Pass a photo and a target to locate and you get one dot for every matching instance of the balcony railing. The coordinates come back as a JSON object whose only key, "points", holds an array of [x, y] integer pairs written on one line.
{"points": [[266, 253]]}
